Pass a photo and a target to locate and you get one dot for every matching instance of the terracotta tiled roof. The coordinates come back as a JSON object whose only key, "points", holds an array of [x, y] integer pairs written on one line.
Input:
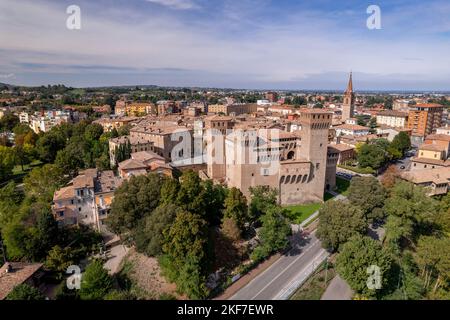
{"points": [[352, 127], [432, 147], [442, 137], [444, 163], [64, 193], [18, 273], [438, 175], [342, 147]]}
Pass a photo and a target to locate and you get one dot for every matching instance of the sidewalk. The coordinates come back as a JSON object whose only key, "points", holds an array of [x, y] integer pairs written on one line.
{"points": [[242, 282], [338, 289]]}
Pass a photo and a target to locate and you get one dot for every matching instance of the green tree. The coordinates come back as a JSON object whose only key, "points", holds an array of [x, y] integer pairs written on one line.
{"points": [[371, 155], [401, 142], [191, 281], [133, 200], [10, 199], [59, 259], [185, 260], [433, 259], [49, 144], [191, 195], [8, 122], [236, 208], [338, 222], [356, 256], [410, 211], [262, 198], [367, 194], [169, 191], [186, 237], [214, 197], [23, 155], [230, 229], [93, 132], [6, 162], [42, 182], [149, 236], [25, 292], [95, 282], [273, 235]]}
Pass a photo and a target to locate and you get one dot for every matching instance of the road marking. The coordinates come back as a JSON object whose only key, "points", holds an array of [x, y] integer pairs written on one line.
{"points": [[270, 267], [265, 287], [289, 287]]}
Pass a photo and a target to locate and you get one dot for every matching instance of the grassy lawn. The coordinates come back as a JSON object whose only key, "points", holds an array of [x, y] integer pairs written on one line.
{"points": [[315, 286], [342, 186], [367, 170], [299, 213], [19, 174]]}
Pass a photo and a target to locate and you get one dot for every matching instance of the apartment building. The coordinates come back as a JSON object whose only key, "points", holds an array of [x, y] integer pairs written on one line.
{"points": [[124, 108], [86, 200], [351, 130], [235, 109], [391, 118], [424, 119]]}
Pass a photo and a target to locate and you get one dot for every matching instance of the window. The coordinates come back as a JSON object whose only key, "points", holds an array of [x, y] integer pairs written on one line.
{"points": [[79, 209], [61, 213], [317, 166]]}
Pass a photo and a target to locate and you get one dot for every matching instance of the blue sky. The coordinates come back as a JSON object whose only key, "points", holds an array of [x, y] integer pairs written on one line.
{"points": [[266, 44]]}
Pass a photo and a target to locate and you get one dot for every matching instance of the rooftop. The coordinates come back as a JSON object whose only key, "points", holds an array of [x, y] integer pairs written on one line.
{"points": [[14, 273], [354, 127], [438, 176], [441, 137]]}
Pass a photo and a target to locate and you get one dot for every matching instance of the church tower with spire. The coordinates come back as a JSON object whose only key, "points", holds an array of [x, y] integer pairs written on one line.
{"points": [[348, 107]]}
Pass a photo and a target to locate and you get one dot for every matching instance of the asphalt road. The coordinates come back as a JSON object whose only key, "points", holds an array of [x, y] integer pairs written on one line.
{"points": [[286, 270]]}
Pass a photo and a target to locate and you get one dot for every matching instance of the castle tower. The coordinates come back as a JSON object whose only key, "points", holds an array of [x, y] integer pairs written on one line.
{"points": [[348, 107], [313, 146]]}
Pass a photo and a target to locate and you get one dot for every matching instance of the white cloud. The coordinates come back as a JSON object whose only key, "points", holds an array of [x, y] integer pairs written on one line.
{"points": [[7, 75], [302, 44], [176, 4]]}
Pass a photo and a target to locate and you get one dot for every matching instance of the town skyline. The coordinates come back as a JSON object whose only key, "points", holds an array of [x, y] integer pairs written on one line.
{"points": [[251, 44]]}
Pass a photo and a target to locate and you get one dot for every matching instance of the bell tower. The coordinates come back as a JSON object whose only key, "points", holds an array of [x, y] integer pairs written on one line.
{"points": [[348, 107]]}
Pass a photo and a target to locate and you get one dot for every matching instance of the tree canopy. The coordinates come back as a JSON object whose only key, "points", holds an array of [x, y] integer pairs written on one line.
{"points": [[368, 194], [338, 222], [356, 256]]}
